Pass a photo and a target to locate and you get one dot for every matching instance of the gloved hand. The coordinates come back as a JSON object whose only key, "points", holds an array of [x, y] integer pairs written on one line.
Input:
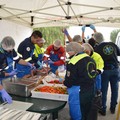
{"points": [[50, 62], [60, 79], [98, 72], [31, 66], [5, 96], [98, 93], [14, 72], [83, 28], [65, 32], [45, 61], [40, 65], [92, 27]]}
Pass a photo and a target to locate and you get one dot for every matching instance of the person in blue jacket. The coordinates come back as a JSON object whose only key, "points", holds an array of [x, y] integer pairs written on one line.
{"points": [[79, 79], [26, 50], [7, 56]]}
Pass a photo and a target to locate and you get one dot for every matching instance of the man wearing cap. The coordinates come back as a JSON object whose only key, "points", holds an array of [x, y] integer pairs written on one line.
{"points": [[55, 55], [26, 50], [79, 79], [7, 51]]}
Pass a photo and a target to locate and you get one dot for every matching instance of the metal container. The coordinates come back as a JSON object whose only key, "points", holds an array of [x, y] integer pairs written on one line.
{"points": [[18, 86]]}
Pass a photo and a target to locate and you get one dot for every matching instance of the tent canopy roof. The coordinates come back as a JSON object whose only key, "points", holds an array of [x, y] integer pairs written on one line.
{"points": [[45, 13]]}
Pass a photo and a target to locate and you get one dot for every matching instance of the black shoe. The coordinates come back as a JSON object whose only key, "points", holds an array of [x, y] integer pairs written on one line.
{"points": [[112, 110], [102, 112]]}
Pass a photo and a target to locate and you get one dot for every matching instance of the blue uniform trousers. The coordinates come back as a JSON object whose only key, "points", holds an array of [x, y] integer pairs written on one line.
{"points": [[98, 82], [74, 102], [111, 76]]}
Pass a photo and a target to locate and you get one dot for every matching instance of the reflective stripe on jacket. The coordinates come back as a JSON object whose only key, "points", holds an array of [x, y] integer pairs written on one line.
{"points": [[75, 59]]}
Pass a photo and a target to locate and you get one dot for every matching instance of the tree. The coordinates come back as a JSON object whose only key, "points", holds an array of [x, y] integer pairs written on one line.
{"points": [[113, 35], [50, 34]]}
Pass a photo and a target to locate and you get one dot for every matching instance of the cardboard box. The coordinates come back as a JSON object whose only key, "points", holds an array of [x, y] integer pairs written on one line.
{"points": [[51, 96]]}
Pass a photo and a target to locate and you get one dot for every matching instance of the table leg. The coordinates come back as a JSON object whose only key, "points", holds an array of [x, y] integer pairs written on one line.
{"points": [[55, 116]]}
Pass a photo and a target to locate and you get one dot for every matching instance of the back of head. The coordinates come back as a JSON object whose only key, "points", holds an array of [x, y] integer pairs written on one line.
{"points": [[92, 42], [8, 43], [36, 34], [74, 47], [77, 38], [57, 43], [98, 37], [88, 47]]}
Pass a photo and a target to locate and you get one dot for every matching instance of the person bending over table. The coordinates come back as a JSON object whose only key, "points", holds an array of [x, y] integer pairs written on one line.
{"points": [[55, 55]]}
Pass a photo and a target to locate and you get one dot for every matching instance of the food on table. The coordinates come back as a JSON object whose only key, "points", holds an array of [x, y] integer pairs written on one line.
{"points": [[55, 82], [52, 89]]}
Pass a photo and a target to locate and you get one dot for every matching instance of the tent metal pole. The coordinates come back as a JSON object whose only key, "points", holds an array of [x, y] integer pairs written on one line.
{"points": [[28, 25], [14, 15], [56, 21], [47, 8], [62, 8], [17, 14], [75, 14], [93, 12], [68, 9], [15, 9], [49, 14], [89, 5]]}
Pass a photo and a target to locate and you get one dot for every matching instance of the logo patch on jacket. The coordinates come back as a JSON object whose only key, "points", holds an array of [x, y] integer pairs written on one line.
{"points": [[28, 48], [52, 52], [108, 50], [68, 73]]}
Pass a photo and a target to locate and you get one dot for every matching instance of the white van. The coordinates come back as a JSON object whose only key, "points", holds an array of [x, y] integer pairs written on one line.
{"points": [[118, 43]]}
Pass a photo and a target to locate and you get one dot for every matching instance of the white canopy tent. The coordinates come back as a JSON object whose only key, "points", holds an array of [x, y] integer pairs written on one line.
{"points": [[16, 31], [45, 13]]}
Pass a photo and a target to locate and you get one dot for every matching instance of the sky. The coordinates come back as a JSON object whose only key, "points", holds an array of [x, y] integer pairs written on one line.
{"points": [[104, 30]]}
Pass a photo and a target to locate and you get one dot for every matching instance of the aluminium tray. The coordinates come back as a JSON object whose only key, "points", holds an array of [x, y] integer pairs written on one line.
{"points": [[18, 86]]}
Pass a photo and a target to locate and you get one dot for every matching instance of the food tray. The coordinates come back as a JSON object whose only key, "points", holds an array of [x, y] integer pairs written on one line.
{"points": [[33, 79], [18, 86], [51, 96]]}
